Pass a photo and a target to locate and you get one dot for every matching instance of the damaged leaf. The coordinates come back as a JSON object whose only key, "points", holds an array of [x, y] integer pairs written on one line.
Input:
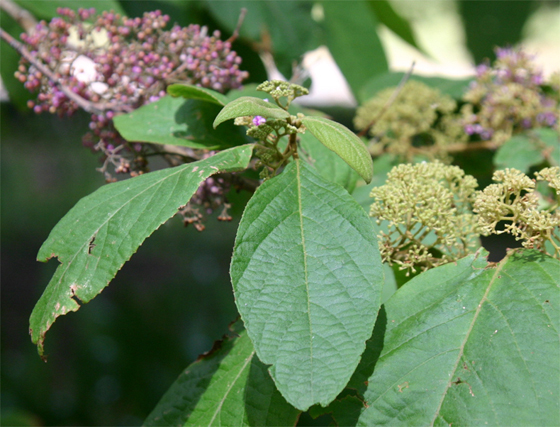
{"points": [[104, 229]]}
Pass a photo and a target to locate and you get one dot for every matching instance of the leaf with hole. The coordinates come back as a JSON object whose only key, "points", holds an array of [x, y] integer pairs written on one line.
{"points": [[468, 343], [102, 231], [307, 278]]}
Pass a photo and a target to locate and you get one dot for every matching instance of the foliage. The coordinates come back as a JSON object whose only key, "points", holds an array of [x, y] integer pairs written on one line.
{"points": [[325, 327]]}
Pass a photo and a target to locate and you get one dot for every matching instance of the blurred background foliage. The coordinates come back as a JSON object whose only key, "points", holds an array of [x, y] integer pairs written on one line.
{"points": [[110, 363]]}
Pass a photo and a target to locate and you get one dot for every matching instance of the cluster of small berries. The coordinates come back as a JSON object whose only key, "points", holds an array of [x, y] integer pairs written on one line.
{"points": [[210, 196], [121, 63], [508, 97]]}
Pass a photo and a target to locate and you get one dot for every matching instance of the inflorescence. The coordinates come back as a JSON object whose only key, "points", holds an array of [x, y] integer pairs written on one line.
{"points": [[116, 64], [420, 120], [430, 214], [514, 201], [508, 97], [268, 131], [120, 64], [425, 214]]}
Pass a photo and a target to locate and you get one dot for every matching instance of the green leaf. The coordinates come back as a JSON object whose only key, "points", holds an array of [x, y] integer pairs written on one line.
{"points": [[229, 386], [9, 64], [351, 30], [249, 106], [307, 278], [343, 142], [47, 9], [550, 138], [468, 343], [329, 165], [102, 231], [519, 152], [452, 87], [392, 20], [284, 27], [176, 121], [382, 165], [196, 92]]}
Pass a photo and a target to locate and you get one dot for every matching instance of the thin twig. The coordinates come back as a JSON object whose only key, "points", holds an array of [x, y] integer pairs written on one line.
{"points": [[20, 15], [90, 107], [240, 20], [391, 99]]}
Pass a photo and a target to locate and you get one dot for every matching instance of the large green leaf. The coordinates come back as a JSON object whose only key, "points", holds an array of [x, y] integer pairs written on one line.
{"points": [[177, 121], [197, 92], [343, 142], [327, 162], [352, 39], [229, 386], [307, 278], [104, 229], [468, 343], [395, 22], [250, 106]]}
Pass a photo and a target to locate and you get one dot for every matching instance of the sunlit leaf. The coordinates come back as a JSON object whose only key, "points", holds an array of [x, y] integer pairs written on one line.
{"points": [[307, 278], [343, 142], [197, 92], [327, 162], [468, 343], [249, 106]]}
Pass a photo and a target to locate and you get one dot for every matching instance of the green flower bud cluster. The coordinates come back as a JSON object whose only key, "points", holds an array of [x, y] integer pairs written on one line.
{"points": [[514, 200], [508, 98], [281, 89], [419, 121], [426, 217]]}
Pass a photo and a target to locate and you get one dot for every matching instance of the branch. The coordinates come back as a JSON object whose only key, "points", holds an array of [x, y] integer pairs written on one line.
{"points": [[90, 107], [240, 20], [20, 15], [392, 99]]}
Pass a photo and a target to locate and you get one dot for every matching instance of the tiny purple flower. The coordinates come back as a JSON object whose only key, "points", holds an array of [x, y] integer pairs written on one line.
{"points": [[259, 120]]}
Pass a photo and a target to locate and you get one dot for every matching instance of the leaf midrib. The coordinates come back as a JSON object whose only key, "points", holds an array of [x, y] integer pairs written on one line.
{"points": [[80, 248], [495, 276], [228, 390], [300, 213]]}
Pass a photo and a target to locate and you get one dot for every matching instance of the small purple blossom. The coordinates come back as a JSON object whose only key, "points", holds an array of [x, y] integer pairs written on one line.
{"points": [[259, 120]]}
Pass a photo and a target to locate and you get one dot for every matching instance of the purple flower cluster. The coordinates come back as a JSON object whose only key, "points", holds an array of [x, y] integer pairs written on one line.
{"points": [[259, 120], [121, 63], [508, 97]]}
